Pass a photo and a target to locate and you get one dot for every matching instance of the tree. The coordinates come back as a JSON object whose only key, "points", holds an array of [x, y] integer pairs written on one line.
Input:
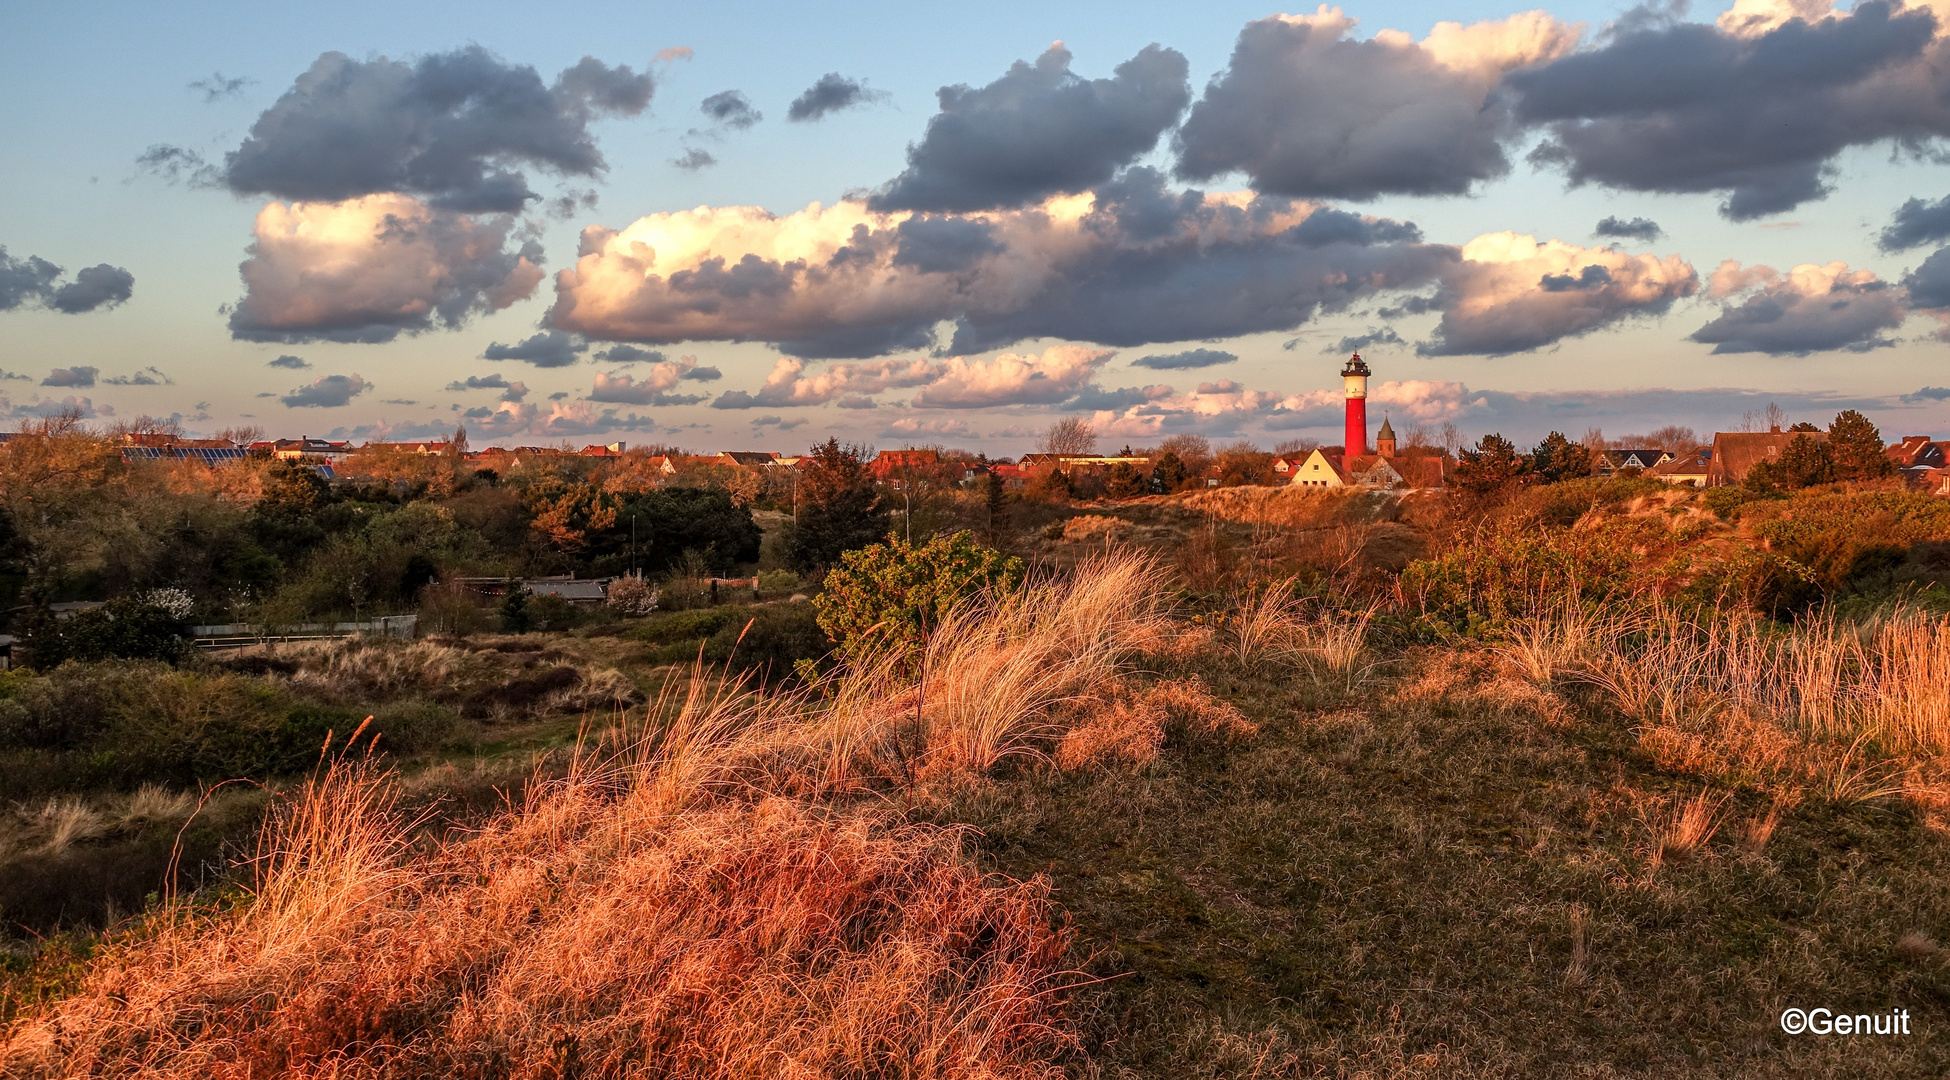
{"points": [[1125, 482], [1168, 473], [1193, 451], [128, 628], [1558, 458], [885, 597], [293, 487], [1070, 436], [514, 609], [992, 500], [1492, 466], [1857, 448], [838, 508], [1243, 464], [1804, 462], [1804, 426], [670, 521]]}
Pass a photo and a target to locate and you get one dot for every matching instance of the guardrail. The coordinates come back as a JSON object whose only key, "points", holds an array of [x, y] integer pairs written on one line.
{"points": [[240, 635]]}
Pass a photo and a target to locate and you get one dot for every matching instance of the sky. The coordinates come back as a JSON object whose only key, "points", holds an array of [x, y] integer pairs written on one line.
{"points": [[759, 225]]}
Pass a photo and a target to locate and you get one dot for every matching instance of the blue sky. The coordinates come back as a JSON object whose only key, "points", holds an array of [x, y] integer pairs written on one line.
{"points": [[95, 86]]}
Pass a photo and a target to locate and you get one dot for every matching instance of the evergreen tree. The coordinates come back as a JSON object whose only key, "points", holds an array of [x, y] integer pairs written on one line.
{"points": [[1492, 466], [838, 508], [1558, 458], [1857, 448], [1168, 473]]}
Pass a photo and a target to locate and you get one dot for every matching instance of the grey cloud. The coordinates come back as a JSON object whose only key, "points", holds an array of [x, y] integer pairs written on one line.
{"points": [[1330, 226], [179, 165], [731, 108], [1304, 110], [32, 280], [148, 376], [1193, 358], [1917, 223], [401, 401], [217, 86], [547, 349], [1638, 228], [1037, 131], [1146, 267], [735, 399], [1928, 393], [779, 422], [326, 392], [1590, 277], [629, 354], [1929, 284], [295, 363], [434, 267], [832, 93], [77, 377], [479, 382], [1781, 320], [944, 244], [1094, 398], [694, 159], [97, 286], [703, 374], [1684, 107], [432, 128], [857, 403], [558, 395], [23, 281], [9, 376], [1384, 336]]}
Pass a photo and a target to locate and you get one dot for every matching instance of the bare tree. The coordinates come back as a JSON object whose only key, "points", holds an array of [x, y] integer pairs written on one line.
{"points": [[1451, 436], [1296, 448], [1677, 438], [1071, 436], [1772, 418]]}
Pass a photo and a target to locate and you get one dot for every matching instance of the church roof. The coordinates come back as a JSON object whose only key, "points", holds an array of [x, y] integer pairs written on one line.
{"points": [[1387, 431]]}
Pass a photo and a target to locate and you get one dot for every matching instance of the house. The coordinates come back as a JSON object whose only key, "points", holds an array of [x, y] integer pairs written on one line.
{"points": [[607, 450], [1012, 476], [1690, 469], [888, 462], [1917, 451], [661, 463], [1320, 470], [750, 459], [1735, 453], [1284, 467], [212, 456], [422, 449], [1611, 461], [305, 448]]}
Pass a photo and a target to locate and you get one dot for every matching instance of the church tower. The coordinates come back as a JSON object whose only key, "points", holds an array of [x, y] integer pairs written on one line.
{"points": [[1355, 374], [1384, 440]]}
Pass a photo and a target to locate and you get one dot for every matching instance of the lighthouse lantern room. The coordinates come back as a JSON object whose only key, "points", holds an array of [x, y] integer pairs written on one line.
{"points": [[1355, 374]]}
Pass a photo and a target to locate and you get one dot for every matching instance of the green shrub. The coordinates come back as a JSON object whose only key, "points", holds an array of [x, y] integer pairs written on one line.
{"points": [[1514, 570], [677, 627], [887, 596], [124, 629], [775, 638]]}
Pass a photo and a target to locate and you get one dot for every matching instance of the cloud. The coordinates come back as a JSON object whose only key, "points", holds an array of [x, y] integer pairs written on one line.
{"points": [[326, 392], [731, 108], [148, 376], [1061, 372], [1809, 309], [218, 87], [1929, 284], [560, 420], [1355, 343], [32, 281], [1303, 109], [629, 354], [179, 165], [295, 363], [653, 389], [1512, 294], [1928, 393], [1638, 228], [511, 391], [8, 376], [788, 384], [547, 349], [1193, 358], [1757, 106], [1131, 264], [779, 422], [1093, 399], [912, 426], [1916, 223], [81, 407], [97, 286], [1037, 131], [370, 269], [694, 159], [78, 376], [445, 128], [832, 93]]}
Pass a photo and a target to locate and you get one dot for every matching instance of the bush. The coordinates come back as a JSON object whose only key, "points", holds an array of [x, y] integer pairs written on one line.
{"points": [[775, 637], [889, 595], [126, 628]]}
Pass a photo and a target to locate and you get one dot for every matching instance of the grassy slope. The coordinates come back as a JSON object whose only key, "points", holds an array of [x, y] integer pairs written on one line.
{"points": [[1391, 882]]}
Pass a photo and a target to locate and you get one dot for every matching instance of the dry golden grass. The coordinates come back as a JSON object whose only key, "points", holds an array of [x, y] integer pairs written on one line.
{"points": [[713, 890]]}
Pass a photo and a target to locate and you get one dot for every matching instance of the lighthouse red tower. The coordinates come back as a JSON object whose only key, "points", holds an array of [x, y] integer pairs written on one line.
{"points": [[1355, 374]]}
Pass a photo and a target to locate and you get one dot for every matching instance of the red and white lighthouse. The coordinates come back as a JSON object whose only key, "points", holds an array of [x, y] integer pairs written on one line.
{"points": [[1355, 374]]}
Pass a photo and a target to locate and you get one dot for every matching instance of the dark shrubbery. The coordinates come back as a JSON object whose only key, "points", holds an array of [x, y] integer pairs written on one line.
{"points": [[126, 628]]}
